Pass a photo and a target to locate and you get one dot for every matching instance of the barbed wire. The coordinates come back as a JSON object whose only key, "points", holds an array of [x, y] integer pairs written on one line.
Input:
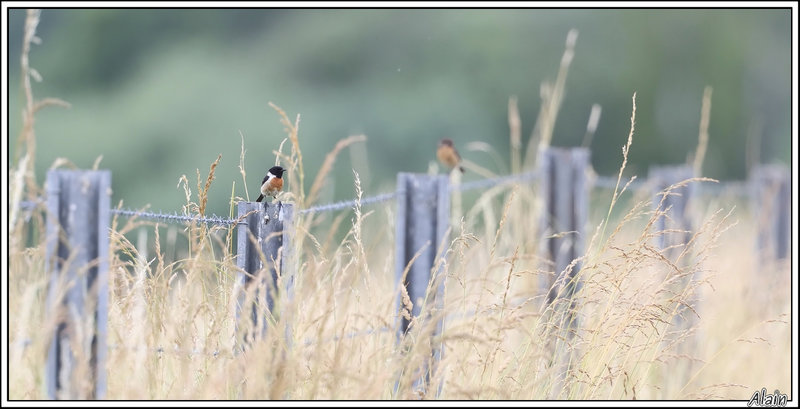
{"points": [[610, 182], [739, 188], [500, 180], [175, 217], [346, 204], [29, 204], [734, 187]]}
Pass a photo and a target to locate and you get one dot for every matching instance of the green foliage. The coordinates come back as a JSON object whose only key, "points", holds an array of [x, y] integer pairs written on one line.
{"points": [[160, 93]]}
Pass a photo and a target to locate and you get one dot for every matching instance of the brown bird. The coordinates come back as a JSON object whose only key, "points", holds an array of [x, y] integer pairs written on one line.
{"points": [[272, 183], [448, 155]]}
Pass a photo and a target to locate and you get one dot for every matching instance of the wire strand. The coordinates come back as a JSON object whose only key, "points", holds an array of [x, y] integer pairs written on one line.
{"points": [[349, 203], [738, 188], [610, 182], [176, 218], [500, 180]]}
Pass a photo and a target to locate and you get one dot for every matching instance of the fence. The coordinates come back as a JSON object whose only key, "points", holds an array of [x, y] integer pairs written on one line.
{"points": [[78, 217]]}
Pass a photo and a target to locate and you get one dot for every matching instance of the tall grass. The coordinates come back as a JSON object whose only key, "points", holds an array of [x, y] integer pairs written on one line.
{"points": [[648, 324]]}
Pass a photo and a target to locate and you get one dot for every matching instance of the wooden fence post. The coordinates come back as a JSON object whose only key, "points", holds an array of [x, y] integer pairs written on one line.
{"points": [[423, 219], [566, 193], [771, 197], [674, 228], [76, 258], [262, 239], [675, 206]]}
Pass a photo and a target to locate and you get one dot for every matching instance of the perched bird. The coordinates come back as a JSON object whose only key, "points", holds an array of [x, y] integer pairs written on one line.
{"points": [[448, 154], [272, 183]]}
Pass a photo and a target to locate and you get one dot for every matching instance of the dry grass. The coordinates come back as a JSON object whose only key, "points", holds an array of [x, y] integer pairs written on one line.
{"points": [[704, 322], [702, 138], [171, 327]]}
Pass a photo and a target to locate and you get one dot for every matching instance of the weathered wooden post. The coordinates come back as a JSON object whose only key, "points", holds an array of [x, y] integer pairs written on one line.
{"points": [[675, 224], [566, 194], [263, 257], [423, 219], [674, 227], [76, 258], [771, 197], [565, 191]]}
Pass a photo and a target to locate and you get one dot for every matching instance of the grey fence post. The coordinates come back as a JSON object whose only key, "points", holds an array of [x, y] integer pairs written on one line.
{"points": [[423, 219], [771, 196], [675, 206], [566, 193], [262, 239], [76, 258], [674, 227]]}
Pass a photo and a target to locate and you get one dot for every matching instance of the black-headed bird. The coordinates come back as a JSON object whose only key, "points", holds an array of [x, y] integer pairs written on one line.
{"points": [[272, 183]]}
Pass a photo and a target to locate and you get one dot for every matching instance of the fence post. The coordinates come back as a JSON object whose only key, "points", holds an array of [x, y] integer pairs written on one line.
{"points": [[675, 206], [674, 227], [423, 219], [566, 193], [76, 258], [770, 194], [263, 238]]}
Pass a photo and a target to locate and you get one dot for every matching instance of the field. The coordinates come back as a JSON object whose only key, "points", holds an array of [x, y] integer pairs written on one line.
{"points": [[707, 319], [171, 319]]}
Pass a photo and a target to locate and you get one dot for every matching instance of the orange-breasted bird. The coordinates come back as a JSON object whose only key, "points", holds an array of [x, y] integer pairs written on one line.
{"points": [[272, 183], [448, 155]]}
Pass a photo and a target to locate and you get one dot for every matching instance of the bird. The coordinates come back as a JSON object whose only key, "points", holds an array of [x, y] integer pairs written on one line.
{"points": [[448, 155], [272, 183]]}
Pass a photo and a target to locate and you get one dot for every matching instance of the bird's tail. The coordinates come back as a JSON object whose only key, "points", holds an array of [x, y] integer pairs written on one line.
{"points": [[260, 198]]}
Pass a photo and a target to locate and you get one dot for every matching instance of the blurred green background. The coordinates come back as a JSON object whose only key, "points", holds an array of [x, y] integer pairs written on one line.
{"points": [[160, 93]]}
